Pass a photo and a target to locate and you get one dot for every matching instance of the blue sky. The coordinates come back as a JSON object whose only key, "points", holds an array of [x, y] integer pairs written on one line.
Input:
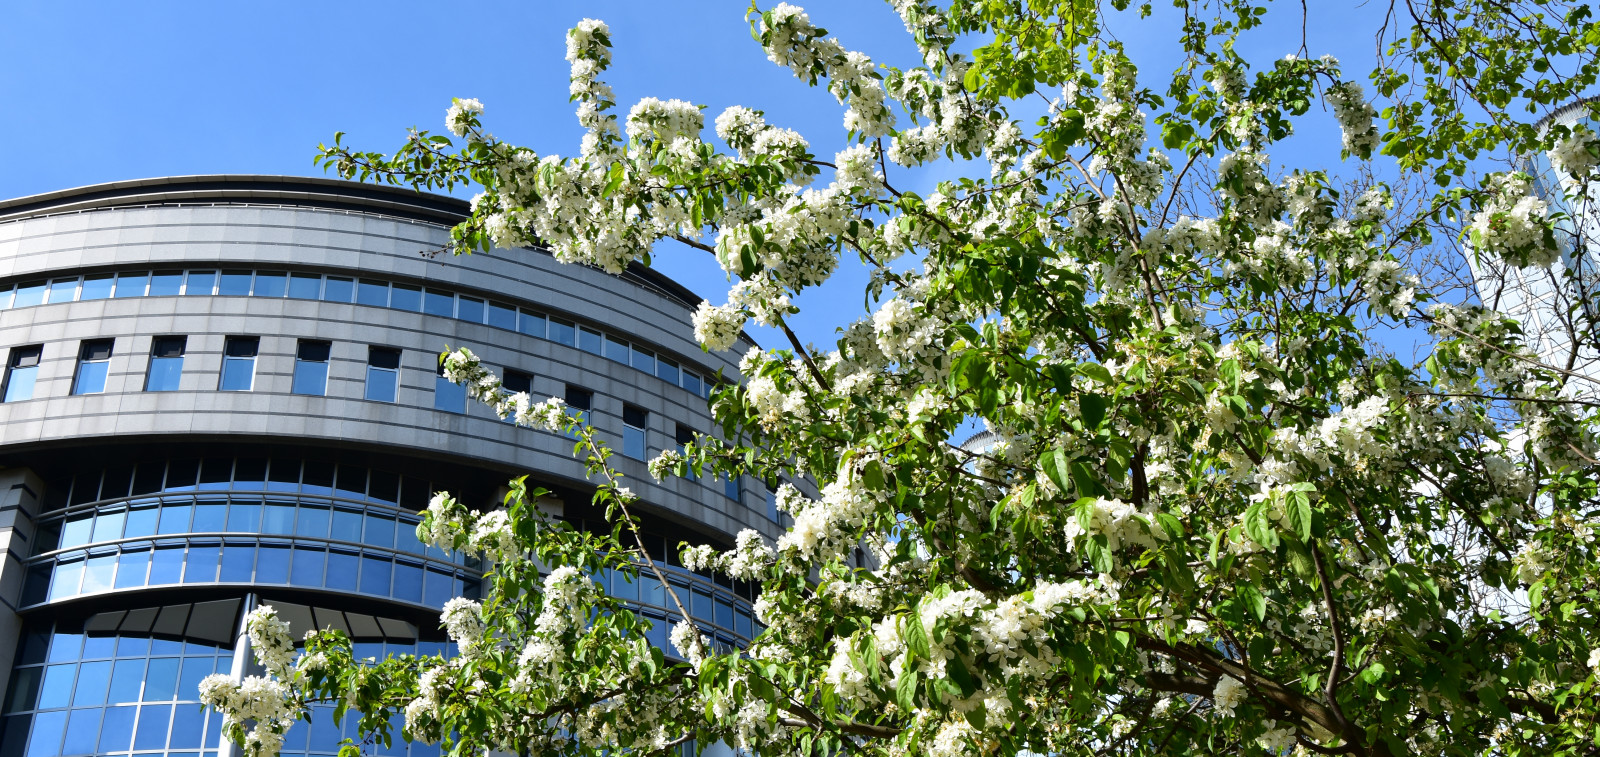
{"points": [[133, 90]]}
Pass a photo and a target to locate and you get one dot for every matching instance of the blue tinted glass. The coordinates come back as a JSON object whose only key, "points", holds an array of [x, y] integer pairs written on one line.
{"points": [[66, 647], [238, 374], [244, 517], [438, 303], [109, 525], [96, 647], [643, 360], [175, 519], [469, 309], [234, 283], [201, 283], [133, 646], [325, 732], [116, 732], [152, 733], [132, 567], [31, 293], [449, 397], [127, 678], [96, 287], [295, 739], [132, 284], [590, 341], [201, 567], [305, 286], [379, 531], [76, 531], [141, 521], [56, 690], [338, 289], [97, 573], [165, 374], [375, 575], [194, 669], [19, 383], [374, 293], [691, 382], [210, 517], [313, 521], [438, 589], [310, 377], [742, 623], [270, 283], [633, 442], [403, 297], [165, 283], [278, 519], [381, 384], [161, 680], [63, 290], [407, 581], [66, 579], [667, 371], [505, 317], [166, 565], [272, 565], [561, 332], [346, 525], [307, 570], [406, 537], [188, 723], [342, 567], [238, 563], [91, 377], [93, 677], [724, 612], [45, 738]]}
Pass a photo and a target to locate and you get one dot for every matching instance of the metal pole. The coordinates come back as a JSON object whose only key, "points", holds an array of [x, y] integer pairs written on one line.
{"points": [[241, 664]]}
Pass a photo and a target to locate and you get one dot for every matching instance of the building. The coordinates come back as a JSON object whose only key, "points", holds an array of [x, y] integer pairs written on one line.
{"points": [[1556, 304], [222, 391]]}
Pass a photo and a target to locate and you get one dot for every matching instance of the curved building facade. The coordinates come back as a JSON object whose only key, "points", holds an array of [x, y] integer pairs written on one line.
{"points": [[221, 392]]}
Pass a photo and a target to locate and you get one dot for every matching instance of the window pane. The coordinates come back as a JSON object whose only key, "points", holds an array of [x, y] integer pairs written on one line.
{"points": [[438, 303], [379, 531], [165, 374], [561, 332], [407, 581], [166, 283], [5, 296], [201, 565], [278, 519], [375, 575], [310, 377], [29, 293], [342, 569], [440, 587], [166, 565], [98, 573], [127, 678], [175, 519], [249, 473], [244, 517], [161, 682], [152, 733], [305, 286], [451, 398], [338, 289], [96, 287], [633, 444], [238, 374], [210, 517], [19, 383], [643, 360], [109, 525], [667, 370], [201, 282], [63, 290], [517, 381], [374, 293], [238, 563], [270, 283], [469, 309], [272, 565], [93, 678], [381, 384], [132, 567], [116, 731], [307, 570], [45, 738], [346, 525], [691, 382], [77, 531], [91, 377], [234, 283], [405, 297], [132, 284], [590, 341], [65, 583], [384, 487], [313, 522], [141, 522], [504, 317]]}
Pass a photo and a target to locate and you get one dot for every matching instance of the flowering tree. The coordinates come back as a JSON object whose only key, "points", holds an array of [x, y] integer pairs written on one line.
{"points": [[1211, 514]]}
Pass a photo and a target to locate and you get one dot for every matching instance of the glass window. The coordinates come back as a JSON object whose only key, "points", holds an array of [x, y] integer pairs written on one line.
{"points": [[250, 473], [634, 425], [338, 288], [305, 286], [181, 475], [691, 381], [166, 283], [447, 396], [384, 487], [405, 297], [63, 290], [152, 732], [244, 517], [318, 476], [346, 525], [307, 567], [234, 284], [343, 567], [127, 678], [132, 284], [45, 738], [517, 381], [239, 363], [643, 360], [108, 526], [201, 282], [96, 287], [469, 309], [379, 531], [166, 567], [733, 488], [590, 341], [504, 317], [579, 401], [312, 522], [132, 567], [175, 519], [201, 567], [29, 293], [22, 371], [375, 575], [166, 363], [284, 475], [5, 296], [374, 293], [438, 303], [407, 581], [238, 563], [142, 522], [210, 517], [272, 565], [94, 364], [77, 531], [383, 373], [311, 367], [278, 519], [561, 332], [667, 370], [270, 283]]}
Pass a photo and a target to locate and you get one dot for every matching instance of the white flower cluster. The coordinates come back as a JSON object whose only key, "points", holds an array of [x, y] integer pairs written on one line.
{"points": [[260, 699], [445, 522], [746, 561], [1532, 562], [492, 534], [857, 168], [664, 464], [692, 645], [1121, 523], [269, 637], [664, 120], [717, 327], [1514, 225], [463, 621], [791, 40], [822, 529], [461, 114], [463, 367], [902, 331], [422, 711], [1576, 155], [1229, 693], [775, 408], [1389, 287], [562, 612], [1355, 116]]}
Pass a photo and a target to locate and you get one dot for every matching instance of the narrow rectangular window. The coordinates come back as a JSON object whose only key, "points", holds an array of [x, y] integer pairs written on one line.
{"points": [[734, 488], [311, 367], [469, 309], [447, 396], [94, 363], [239, 363], [635, 425], [383, 373], [374, 293], [435, 302], [166, 283], [166, 363], [503, 316], [305, 286], [234, 284], [561, 332], [590, 341], [516, 382], [96, 287], [132, 284], [201, 283], [29, 293], [63, 290], [338, 289], [579, 402], [22, 371], [617, 350], [270, 283]]}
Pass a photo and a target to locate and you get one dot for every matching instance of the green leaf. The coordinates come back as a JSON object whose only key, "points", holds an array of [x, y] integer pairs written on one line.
{"points": [[1297, 506], [1093, 409], [905, 688], [1258, 526], [1058, 468], [916, 635], [1095, 371], [1253, 600]]}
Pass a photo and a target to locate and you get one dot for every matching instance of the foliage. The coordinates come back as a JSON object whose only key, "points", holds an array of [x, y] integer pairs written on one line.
{"points": [[1210, 514]]}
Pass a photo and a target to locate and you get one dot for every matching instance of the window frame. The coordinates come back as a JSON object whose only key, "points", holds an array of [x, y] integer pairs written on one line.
{"points": [[156, 345], [252, 344], [301, 362], [635, 436], [14, 363], [393, 374], [101, 365]]}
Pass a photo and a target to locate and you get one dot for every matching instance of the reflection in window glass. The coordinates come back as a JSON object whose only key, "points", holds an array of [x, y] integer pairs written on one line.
{"points": [[29, 293], [503, 316], [234, 283], [166, 364], [405, 297], [311, 368], [94, 364], [383, 374], [142, 522], [132, 567], [63, 290], [270, 283], [305, 286], [239, 363], [447, 396], [374, 293], [132, 284], [96, 287], [108, 526], [590, 341], [338, 289], [201, 283], [643, 360], [469, 309], [22, 372], [561, 332], [166, 283], [634, 423], [438, 303], [667, 370]]}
